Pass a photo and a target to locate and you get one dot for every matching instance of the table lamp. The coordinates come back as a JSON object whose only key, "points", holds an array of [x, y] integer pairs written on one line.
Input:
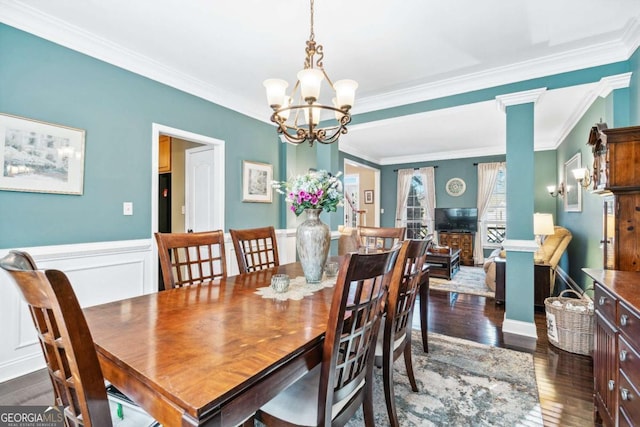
{"points": [[542, 226]]}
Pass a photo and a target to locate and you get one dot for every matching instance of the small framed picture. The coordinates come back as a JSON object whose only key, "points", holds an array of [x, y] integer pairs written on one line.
{"points": [[256, 182], [40, 157], [368, 197]]}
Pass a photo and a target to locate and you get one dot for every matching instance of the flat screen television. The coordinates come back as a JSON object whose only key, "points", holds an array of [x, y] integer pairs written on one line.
{"points": [[461, 220]]}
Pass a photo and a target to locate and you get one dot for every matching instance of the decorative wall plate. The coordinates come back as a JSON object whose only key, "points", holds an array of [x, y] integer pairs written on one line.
{"points": [[455, 187]]}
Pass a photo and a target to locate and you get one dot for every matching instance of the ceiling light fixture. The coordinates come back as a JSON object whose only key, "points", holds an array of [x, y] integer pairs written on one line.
{"points": [[302, 125]]}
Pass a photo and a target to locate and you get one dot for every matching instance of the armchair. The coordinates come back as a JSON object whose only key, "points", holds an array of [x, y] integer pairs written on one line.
{"points": [[548, 255]]}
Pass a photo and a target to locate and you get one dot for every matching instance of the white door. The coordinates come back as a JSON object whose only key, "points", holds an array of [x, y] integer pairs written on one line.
{"points": [[200, 194]]}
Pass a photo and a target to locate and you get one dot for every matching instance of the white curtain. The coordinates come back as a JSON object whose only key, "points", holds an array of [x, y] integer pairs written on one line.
{"points": [[428, 202], [487, 176], [404, 186]]}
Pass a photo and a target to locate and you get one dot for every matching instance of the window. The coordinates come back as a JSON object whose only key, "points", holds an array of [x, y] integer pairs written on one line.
{"points": [[495, 218], [415, 211]]}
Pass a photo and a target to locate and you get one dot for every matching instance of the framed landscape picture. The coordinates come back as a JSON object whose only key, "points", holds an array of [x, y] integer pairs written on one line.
{"points": [[573, 190], [256, 182], [40, 157]]}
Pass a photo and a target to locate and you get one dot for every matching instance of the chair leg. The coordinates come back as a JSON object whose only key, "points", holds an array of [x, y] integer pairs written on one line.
{"points": [[389, 396], [367, 403], [409, 365]]}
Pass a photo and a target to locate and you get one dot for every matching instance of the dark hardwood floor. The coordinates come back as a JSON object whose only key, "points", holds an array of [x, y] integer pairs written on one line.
{"points": [[565, 382]]}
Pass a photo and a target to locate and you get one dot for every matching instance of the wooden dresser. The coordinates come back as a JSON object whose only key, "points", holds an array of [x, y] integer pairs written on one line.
{"points": [[616, 354], [462, 241]]}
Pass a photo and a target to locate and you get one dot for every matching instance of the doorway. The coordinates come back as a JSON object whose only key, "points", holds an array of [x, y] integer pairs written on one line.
{"points": [[366, 181], [217, 186]]}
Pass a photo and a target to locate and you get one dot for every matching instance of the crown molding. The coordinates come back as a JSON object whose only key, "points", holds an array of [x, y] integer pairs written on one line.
{"points": [[604, 87], [517, 98], [600, 54], [346, 148]]}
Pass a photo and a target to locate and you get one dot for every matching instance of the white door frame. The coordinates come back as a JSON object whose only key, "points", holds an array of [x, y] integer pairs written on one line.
{"points": [[377, 195], [219, 186]]}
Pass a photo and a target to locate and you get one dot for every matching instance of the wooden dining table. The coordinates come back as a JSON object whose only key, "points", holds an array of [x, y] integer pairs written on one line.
{"points": [[210, 354]]}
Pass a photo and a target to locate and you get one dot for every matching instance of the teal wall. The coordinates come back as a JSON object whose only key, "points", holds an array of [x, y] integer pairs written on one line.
{"points": [[44, 81]]}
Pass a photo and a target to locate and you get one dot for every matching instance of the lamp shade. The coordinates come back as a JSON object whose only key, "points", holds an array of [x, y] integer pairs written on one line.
{"points": [[579, 174], [345, 93], [310, 80], [275, 92], [543, 224]]}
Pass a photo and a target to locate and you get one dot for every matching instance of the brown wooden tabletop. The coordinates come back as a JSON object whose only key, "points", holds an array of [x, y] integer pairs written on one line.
{"points": [[209, 354]]}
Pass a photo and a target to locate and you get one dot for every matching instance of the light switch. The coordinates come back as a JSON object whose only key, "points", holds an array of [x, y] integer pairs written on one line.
{"points": [[381, 211], [127, 208]]}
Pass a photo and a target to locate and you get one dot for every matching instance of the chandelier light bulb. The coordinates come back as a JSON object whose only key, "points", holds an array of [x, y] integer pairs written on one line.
{"points": [[345, 93], [276, 89], [310, 80]]}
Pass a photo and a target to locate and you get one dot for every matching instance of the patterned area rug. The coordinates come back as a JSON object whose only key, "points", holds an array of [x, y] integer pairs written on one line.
{"points": [[461, 383], [469, 280]]}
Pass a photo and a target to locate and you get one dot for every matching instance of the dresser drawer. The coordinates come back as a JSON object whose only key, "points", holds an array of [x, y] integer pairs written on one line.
{"points": [[629, 399], [629, 361], [605, 303], [628, 323]]}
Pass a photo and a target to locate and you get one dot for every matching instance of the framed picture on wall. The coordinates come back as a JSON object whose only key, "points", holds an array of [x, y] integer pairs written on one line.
{"points": [[256, 182], [368, 197], [40, 157], [573, 190]]}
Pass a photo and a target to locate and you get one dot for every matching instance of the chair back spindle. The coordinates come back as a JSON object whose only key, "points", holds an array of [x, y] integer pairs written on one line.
{"points": [[256, 248], [191, 258]]}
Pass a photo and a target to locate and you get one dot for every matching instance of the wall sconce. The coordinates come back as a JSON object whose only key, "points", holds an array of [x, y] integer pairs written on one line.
{"points": [[583, 176], [555, 193]]}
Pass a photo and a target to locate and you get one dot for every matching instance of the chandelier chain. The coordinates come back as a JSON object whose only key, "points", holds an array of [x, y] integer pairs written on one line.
{"points": [[312, 34]]}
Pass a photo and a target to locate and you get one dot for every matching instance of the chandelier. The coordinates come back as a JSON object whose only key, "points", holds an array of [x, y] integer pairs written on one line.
{"points": [[297, 116]]}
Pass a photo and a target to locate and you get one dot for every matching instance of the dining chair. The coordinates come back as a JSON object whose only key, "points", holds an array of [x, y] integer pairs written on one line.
{"points": [[380, 237], [65, 340], [256, 248], [191, 258], [342, 382], [394, 338]]}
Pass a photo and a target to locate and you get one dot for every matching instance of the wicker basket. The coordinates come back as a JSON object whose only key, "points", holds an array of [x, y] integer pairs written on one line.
{"points": [[568, 329]]}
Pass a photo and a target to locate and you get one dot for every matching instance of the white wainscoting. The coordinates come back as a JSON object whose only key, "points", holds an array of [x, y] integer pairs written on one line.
{"points": [[99, 272]]}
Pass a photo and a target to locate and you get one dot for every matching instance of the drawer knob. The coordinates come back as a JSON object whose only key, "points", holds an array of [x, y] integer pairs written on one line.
{"points": [[612, 385], [601, 300], [623, 320], [625, 394], [623, 355]]}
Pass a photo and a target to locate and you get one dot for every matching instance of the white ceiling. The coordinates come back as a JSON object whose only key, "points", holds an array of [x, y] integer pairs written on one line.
{"points": [[399, 52]]}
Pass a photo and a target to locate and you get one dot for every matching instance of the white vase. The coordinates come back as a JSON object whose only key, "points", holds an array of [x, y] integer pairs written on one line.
{"points": [[313, 238]]}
